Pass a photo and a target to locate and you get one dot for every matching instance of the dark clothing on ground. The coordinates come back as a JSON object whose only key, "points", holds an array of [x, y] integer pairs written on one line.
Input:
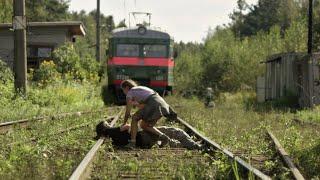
{"points": [[173, 133], [145, 139], [121, 138]]}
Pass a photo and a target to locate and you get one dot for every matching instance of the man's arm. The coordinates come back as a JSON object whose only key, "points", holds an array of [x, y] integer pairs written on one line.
{"points": [[128, 110]]}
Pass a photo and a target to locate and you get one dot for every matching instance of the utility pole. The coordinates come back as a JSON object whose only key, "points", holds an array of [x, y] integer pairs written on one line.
{"points": [[20, 53], [311, 60], [98, 52], [310, 27]]}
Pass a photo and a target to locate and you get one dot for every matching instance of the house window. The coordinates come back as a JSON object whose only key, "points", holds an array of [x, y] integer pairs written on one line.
{"points": [[44, 52], [36, 54]]}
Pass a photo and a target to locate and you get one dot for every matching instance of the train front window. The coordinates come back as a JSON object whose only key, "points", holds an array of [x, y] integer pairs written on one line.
{"points": [[128, 50], [155, 51]]}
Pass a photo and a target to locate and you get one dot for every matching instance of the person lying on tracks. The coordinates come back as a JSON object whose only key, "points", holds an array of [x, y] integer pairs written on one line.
{"points": [[121, 136], [151, 108]]}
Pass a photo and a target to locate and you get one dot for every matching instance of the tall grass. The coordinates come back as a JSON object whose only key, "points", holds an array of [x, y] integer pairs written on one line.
{"points": [[239, 126]]}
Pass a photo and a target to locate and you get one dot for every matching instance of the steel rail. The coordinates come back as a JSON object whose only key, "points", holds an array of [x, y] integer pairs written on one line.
{"points": [[230, 155], [83, 170], [58, 132], [6, 126], [285, 157]]}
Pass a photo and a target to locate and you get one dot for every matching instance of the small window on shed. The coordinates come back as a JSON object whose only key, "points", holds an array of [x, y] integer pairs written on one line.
{"points": [[44, 52]]}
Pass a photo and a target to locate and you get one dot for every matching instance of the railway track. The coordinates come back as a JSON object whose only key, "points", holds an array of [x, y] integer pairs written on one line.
{"points": [[7, 126], [83, 171], [243, 165], [63, 131], [285, 157]]}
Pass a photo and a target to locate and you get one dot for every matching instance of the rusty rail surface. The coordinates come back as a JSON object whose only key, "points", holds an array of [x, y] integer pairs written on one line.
{"points": [[230, 155], [285, 157], [83, 170], [6, 126]]}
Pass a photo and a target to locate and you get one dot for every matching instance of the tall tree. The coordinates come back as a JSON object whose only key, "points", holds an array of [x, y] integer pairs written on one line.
{"points": [[264, 15], [47, 10]]}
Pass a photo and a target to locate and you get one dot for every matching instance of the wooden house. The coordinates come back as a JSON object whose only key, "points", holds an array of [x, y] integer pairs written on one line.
{"points": [[42, 39], [290, 75]]}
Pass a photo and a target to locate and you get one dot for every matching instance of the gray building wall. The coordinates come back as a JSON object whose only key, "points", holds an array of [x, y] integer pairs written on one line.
{"points": [[292, 74], [35, 36]]}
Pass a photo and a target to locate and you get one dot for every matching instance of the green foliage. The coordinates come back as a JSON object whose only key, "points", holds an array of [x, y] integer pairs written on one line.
{"points": [[37, 10], [46, 74], [6, 83], [86, 45], [188, 63], [67, 59], [6, 75], [47, 10], [6, 11], [49, 99], [242, 130], [263, 16], [228, 63], [74, 67]]}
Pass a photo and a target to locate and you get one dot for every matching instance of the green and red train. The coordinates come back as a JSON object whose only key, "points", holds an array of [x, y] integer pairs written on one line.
{"points": [[143, 54]]}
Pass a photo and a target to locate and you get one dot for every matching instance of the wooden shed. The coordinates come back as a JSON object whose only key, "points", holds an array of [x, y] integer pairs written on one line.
{"points": [[291, 75], [42, 39]]}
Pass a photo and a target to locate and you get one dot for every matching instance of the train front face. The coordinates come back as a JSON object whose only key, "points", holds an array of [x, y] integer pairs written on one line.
{"points": [[142, 55]]}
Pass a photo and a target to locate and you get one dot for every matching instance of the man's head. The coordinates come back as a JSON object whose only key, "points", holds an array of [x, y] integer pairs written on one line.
{"points": [[126, 85]]}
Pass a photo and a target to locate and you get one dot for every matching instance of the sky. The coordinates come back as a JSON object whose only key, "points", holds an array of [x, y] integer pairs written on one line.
{"points": [[185, 20]]}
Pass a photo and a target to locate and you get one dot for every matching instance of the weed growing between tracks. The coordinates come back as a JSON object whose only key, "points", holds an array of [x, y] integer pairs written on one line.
{"points": [[153, 164], [238, 125]]}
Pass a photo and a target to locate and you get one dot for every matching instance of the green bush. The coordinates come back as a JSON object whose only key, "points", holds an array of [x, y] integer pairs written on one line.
{"points": [[6, 82], [67, 59], [46, 74], [74, 67], [228, 63], [6, 75]]}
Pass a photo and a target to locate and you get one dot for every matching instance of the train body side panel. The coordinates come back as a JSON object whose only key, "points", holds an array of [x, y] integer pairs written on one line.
{"points": [[156, 73]]}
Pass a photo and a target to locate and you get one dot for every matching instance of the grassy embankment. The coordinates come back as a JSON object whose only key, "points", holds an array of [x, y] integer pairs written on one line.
{"points": [[50, 100], [49, 155], [238, 124]]}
